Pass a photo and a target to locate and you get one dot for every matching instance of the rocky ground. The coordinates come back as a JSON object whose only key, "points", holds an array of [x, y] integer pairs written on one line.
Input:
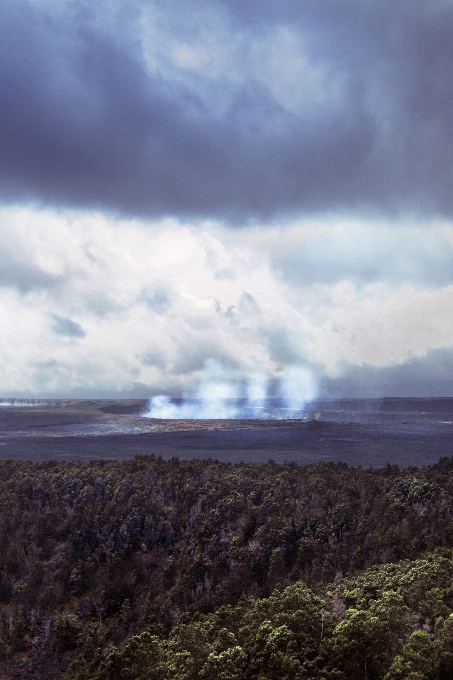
{"points": [[359, 432]]}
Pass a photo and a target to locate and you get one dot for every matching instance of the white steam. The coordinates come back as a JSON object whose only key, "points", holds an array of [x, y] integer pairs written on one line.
{"points": [[13, 403], [226, 394]]}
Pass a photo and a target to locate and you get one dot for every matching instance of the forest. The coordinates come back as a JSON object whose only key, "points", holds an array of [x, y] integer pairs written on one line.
{"points": [[154, 569]]}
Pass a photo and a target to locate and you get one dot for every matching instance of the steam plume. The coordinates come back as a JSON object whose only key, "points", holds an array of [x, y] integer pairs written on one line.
{"points": [[225, 394]]}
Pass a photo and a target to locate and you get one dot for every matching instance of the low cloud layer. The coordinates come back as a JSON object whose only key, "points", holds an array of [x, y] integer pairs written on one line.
{"points": [[103, 307], [229, 109]]}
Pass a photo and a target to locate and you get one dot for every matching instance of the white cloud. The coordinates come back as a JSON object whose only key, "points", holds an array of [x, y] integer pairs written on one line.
{"points": [[90, 304], [381, 326]]}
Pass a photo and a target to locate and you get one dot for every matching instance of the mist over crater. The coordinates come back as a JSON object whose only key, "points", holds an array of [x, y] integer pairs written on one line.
{"points": [[223, 393]]}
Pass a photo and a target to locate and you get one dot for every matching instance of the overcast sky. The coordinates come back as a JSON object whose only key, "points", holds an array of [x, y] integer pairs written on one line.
{"points": [[265, 183]]}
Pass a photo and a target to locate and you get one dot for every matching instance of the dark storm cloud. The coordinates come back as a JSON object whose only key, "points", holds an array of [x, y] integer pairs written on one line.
{"points": [[428, 376], [84, 122]]}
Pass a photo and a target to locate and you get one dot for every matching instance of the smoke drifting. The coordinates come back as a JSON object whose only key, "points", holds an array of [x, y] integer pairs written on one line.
{"points": [[15, 403], [226, 394]]}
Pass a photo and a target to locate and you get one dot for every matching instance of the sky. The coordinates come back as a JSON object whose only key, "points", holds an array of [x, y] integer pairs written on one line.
{"points": [[259, 186]]}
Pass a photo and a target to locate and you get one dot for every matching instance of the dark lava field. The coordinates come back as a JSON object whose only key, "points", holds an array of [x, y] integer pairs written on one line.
{"points": [[364, 432]]}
